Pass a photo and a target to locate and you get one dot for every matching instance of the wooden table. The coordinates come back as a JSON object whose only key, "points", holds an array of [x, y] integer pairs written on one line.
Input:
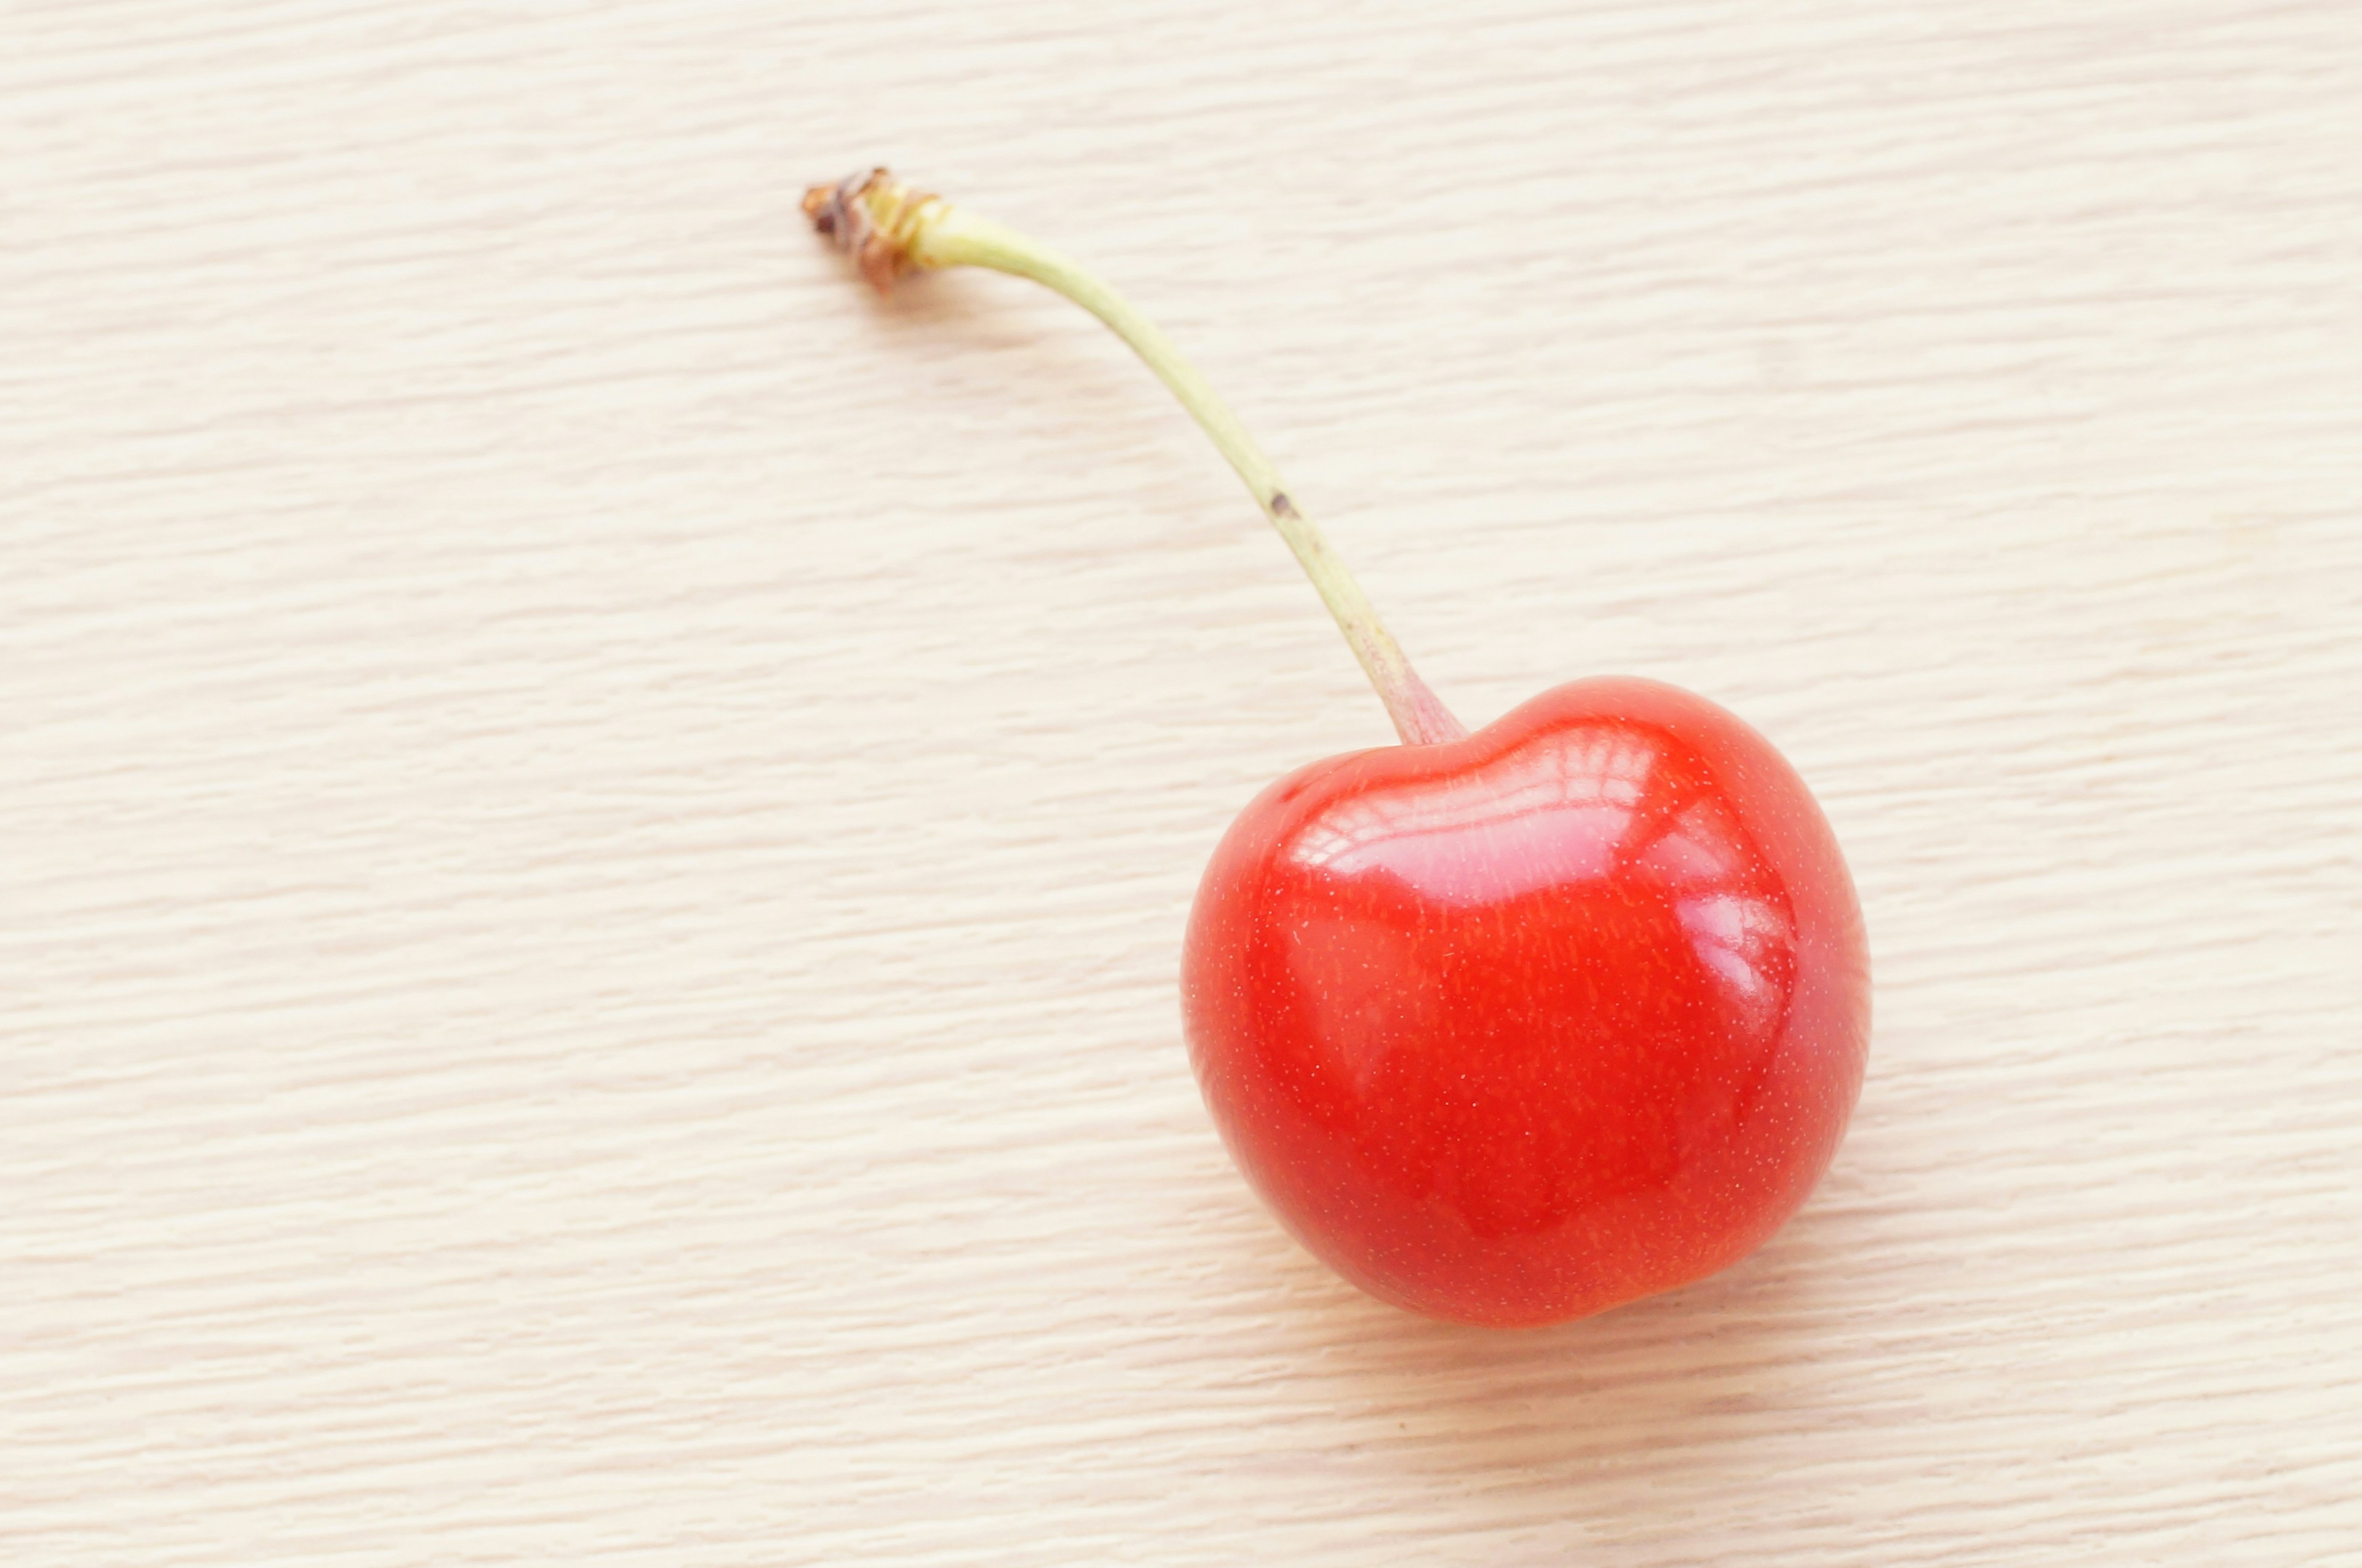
{"points": [[594, 824]]}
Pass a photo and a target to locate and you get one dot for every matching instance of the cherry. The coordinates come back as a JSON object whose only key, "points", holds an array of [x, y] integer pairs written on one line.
{"points": [[1509, 1027], [1516, 1028]]}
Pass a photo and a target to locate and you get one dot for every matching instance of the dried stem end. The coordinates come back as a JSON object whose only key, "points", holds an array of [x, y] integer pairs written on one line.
{"points": [[877, 219]]}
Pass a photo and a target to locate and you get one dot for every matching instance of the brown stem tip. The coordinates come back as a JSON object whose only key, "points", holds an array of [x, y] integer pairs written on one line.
{"points": [[876, 219]]}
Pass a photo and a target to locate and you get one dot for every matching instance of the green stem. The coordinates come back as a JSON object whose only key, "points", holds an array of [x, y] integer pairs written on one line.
{"points": [[892, 229]]}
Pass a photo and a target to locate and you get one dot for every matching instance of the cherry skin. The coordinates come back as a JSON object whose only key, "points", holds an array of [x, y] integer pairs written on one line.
{"points": [[1516, 1028]]}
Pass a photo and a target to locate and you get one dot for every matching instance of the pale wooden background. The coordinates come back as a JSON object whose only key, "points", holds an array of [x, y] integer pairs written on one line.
{"points": [[594, 826]]}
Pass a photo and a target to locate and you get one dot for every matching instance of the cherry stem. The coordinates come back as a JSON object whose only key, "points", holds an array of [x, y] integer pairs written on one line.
{"points": [[892, 228]]}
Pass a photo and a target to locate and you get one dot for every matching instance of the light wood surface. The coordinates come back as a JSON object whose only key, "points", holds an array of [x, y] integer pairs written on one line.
{"points": [[594, 825]]}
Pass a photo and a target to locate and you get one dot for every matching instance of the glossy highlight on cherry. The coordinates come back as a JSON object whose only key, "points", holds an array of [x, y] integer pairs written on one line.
{"points": [[1507, 1028]]}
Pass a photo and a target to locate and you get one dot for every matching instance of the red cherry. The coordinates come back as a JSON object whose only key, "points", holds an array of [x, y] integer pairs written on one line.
{"points": [[1517, 1028], [1509, 1027]]}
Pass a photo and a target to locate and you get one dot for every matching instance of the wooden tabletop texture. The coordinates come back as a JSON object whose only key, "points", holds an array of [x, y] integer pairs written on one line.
{"points": [[595, 823]]}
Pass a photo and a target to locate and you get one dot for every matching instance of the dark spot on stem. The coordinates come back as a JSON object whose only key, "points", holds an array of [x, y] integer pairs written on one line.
{"points": [[1280, 505]]}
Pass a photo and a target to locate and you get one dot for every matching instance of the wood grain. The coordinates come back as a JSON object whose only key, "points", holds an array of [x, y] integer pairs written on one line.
{"points": [[594, 825]]}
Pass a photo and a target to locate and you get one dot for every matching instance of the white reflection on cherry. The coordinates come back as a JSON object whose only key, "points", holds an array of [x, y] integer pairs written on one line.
{"points": [[1566, 810]]}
